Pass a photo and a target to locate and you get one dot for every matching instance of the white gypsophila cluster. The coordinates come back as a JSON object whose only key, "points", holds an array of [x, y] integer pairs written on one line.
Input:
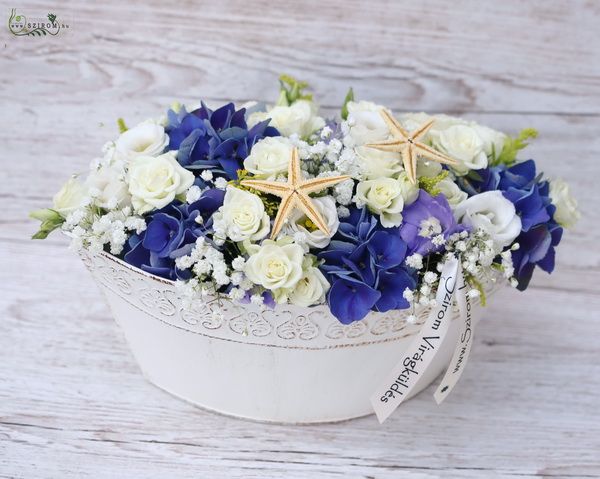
{"points": [[477, 252], [94, 231], [206, 262]]}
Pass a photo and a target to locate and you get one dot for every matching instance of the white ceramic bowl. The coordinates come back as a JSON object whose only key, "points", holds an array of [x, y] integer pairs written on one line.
{"points": [[290, 364]]}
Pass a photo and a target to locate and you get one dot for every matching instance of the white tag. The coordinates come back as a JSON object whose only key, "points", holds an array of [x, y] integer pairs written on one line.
{"points": [[398, 385], [463, 346]]}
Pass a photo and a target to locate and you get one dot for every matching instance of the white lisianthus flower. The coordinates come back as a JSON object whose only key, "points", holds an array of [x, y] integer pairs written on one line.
{"points": [[463, 144], [366, 123], [383, 197], [155, 181], [299, 118], [70, 197], [494, 214], [146, 139], [566, 213], [269, 157], [313, 237], [452, 192], [275, 266], [375, 163], [310, 289], [243, 216], [108, 187]]}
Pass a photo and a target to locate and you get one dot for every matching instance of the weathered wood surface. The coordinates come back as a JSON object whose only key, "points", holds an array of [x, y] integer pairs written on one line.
{"points": [[72, 402]]}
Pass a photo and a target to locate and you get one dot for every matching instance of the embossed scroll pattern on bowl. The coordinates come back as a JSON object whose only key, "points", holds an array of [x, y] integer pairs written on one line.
{"points": [[286, 326]]}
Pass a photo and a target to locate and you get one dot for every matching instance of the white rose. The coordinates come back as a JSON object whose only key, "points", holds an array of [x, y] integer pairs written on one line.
{"points": [[311, 288], [155, 181], [366, 123], [146, 139], [315, 238], [108, 187], [463, 144], [493, 213], [383, 197], [275, 266], [566, 213], [452, 192], [375, 163], [243, 216], [269, 157], [299, 118], [70, 197]]}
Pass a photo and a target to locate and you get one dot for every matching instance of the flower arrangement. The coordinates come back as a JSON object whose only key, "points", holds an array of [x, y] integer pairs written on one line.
{"points": [[276, 204]]}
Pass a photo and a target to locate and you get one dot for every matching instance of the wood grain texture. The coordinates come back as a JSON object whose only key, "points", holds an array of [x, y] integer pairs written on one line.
{"points": [[72, 401]]}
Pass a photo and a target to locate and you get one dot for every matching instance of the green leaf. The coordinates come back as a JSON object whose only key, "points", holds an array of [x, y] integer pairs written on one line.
{"points": [[512, 146], [349, 98], [122, 126], [44, 215], [50, 219]]}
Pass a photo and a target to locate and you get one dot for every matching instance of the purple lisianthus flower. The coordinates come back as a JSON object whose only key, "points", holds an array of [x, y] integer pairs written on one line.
{"points": [[425, 218], [365, 265], [215, 140], [170, 233]]}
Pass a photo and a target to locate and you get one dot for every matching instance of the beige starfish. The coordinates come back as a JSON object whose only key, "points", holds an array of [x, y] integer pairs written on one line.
{"points": [[409, 146], [294, 194]]}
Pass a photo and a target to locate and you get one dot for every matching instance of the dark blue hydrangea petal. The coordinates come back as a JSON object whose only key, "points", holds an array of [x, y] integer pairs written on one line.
{"points": [[392, 284], [350, 300]]}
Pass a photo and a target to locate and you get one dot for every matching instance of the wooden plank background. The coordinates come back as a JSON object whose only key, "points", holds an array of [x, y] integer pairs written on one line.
{"points": [[72, 402]]}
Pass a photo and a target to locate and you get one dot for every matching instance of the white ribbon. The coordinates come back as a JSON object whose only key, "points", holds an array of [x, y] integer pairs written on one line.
{"points": [[401, 381]]}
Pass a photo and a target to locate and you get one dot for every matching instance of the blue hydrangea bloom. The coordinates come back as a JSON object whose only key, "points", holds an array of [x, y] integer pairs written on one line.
{"points": [[171, 232], [365, 265], [215, 140], [522, 185]]}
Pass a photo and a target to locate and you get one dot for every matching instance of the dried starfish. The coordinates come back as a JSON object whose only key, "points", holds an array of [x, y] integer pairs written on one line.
{"points": [[294, 194], [409, 146]]}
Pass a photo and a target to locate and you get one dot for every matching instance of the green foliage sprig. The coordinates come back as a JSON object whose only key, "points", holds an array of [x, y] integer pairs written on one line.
{"points": [[512, 146], [429, 184], [292, 90]]}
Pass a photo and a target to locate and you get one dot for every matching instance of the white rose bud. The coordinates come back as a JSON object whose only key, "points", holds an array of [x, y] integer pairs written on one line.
{"points": [[70, 197], [383, 197], [243, 215], [494, 214], [154, 182], [367, 125], [311, 288], [299, 118], [146, 139], [378, 164], [275, 266], [566, 213], [463, 144], [269, 157]]}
